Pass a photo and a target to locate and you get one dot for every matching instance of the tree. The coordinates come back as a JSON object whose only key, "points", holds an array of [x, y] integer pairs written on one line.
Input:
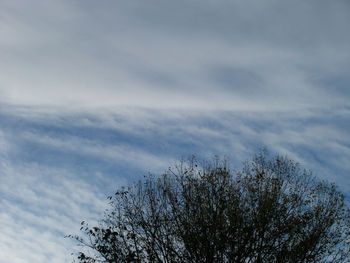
{"points": [[270, 211]]}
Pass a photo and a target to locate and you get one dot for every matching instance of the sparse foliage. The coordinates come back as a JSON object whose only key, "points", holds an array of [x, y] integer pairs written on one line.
{"points": [[270, 211]]}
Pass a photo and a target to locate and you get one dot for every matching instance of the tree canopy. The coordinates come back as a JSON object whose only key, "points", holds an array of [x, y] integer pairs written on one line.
{"points": [[270, 211]]}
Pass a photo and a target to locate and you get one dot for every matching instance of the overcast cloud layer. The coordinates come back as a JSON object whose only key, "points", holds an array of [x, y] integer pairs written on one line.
{"points": [[250, 55], [95, 94]]}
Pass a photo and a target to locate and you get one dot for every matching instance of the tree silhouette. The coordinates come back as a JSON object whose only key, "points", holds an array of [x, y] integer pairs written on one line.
{"points": [[270, 211]]}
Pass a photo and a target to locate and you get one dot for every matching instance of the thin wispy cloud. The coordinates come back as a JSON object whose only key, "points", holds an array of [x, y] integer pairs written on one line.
{"points": [[58, 169]]}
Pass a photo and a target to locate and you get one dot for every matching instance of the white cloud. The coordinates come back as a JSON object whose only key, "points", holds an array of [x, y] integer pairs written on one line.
{"points": [[119, 54], [41, 202], [39, 206], [131, 154]]}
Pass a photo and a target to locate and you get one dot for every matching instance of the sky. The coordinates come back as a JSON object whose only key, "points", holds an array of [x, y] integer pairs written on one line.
{"points": [[96, 94]]}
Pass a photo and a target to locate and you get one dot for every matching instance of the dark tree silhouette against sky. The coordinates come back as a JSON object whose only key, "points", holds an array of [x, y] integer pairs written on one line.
{"points": [[270, 211]]}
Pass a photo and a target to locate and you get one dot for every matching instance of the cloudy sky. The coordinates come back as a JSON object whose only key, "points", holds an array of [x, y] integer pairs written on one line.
{"points": [[96, 94]]}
